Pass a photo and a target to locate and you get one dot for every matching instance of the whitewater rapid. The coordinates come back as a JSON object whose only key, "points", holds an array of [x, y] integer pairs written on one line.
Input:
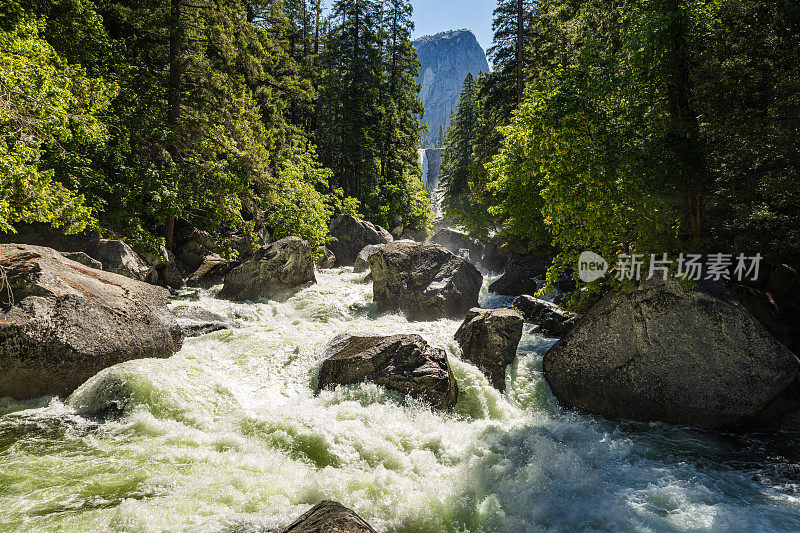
{"points": [[229, 435]]}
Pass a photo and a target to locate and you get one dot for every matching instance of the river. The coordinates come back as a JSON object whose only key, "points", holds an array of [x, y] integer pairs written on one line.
{"points": [[229, 435]]}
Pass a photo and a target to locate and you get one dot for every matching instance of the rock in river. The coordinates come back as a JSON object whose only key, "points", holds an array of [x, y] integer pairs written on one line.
{"points": [[548, 316], [424, 281], [329, 517], [362, 261], [405, 363], [195, 321], [352, 235], [667, 353], [489, 338], [276, 272], [456, 241], [64, 322]]}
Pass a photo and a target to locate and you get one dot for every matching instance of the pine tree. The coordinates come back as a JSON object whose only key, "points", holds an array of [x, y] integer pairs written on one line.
{"points": [[457, 159]]}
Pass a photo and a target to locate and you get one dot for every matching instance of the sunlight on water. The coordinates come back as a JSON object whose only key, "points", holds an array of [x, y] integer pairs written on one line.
{"points": [[228, 434]]}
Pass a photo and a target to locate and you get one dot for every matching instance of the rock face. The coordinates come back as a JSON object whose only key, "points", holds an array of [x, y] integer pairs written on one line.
{"points": [[277, 272], [456, 241], [445, 60], [66, 322], [430, 160], [405, 363], [211, 272], [424, 281], [195, 321], [325, 258], [352, 235], [666, 353], [489, 338], [548, 316], [329, 517], [362, 261]]}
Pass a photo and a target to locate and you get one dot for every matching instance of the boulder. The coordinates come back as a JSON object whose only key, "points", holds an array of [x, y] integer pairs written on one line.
{"points": [[405, 363], [211, 272], [164, 262], [489, 338], [548, 316], [667, 353], [325, 258], [352, 235], [424, 281], [329, 517], [192, 247], [276, 272], [501, 250], [362, 261], [195, 321], [521, 276], [115, 256], [456, 241], [82, 258], [65, 322]]}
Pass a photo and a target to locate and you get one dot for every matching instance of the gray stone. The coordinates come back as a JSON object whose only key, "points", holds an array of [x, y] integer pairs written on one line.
{"points": [[325, 258], [276, 272], [424, 281], [67, 321], [82, 258], [456, 241], [405, 363], [362, 261], [489, 338], [329, 517], [664, 352], [211, 272], [195, 321], [548, 316], [352, 235]]}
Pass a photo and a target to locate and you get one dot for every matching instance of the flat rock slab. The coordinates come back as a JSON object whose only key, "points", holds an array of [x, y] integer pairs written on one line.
{"points": [[66, 321], [405, 363]]}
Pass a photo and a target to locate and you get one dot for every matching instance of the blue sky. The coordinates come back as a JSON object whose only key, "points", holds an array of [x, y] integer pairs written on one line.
{"points": [[434, 16]]}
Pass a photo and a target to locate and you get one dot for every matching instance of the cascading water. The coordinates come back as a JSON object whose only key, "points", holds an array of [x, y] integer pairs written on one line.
{"points": [[229, 434]]}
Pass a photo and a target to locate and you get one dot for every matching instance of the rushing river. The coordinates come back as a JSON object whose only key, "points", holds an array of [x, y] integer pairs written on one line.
{"points": [[228, 435]]}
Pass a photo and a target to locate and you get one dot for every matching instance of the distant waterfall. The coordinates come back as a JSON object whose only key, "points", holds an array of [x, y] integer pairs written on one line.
{"points": [[423, 163]]}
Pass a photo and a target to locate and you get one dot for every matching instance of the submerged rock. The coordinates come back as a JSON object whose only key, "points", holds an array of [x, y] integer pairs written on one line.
{"points": [[489, 338], [277, 272], [65, 322], [195, 321], [352, 235], [405, 363], [424, 281], [329, 517], [362, 261], [548, 316], [325, 258], [456, 241], [663, 352]]}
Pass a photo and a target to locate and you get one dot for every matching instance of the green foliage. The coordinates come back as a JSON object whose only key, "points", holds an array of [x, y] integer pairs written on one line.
{"points": [[46, 103]]}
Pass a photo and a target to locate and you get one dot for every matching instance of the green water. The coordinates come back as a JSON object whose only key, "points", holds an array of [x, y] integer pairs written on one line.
{"points": [[228, 434]]}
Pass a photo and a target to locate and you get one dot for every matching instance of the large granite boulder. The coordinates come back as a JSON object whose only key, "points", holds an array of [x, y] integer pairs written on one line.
{"points": [[521, 276], [664, 352], [276, 272], [550, 318], [424, 281], [195, 321], [362, 261], [459, 243], [211, 272], [489, 338], [352, 235], [62, 322], [405, 363], [329, 517]]}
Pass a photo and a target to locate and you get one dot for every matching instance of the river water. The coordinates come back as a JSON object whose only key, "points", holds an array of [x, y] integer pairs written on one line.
{"points": [[228, 435]]}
